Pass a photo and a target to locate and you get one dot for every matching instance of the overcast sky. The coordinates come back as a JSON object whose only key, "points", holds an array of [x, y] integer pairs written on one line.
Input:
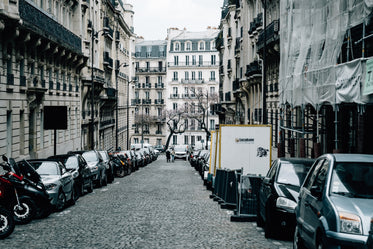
{"points": [[153, 17]]}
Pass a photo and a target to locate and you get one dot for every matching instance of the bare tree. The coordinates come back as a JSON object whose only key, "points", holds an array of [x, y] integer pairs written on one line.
{"points": [[199, 103], [175, 120]]}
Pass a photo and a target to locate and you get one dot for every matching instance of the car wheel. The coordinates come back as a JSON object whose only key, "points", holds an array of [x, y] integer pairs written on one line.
{"points": [[90, 187], [259, 220], [7, 223], [297, 241], [61, 201], [73, 197], [268, 226], [25, 211], [104, 182], [320, 242]]}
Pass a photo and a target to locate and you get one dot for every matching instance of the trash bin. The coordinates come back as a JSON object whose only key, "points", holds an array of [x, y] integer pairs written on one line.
{"points": [[230, 193]]}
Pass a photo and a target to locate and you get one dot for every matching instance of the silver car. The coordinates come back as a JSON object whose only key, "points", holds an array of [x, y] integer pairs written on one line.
{"points": [[57, 180], [335, 203]]}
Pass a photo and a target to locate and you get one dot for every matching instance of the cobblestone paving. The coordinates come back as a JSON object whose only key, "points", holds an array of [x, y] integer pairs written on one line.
{"points": [[163, 205]]}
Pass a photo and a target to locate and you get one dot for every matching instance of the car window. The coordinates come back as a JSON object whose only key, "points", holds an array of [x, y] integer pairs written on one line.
{"points": [[312, 174], [352, 179], [47, 168], [90, 156], [321, 175], [72, 163], [292, 173]]}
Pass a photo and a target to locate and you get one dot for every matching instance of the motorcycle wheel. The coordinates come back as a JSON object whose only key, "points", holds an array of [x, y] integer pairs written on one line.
{"points": [[7, 223], [120, 172], [24, 212]]}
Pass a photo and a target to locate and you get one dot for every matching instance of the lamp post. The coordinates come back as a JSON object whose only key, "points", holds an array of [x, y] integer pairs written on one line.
{"points": [[117, 67], [92, 125]]}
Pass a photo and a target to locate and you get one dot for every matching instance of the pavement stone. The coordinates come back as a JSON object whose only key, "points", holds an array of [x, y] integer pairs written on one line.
{"points": [[163, 205]]}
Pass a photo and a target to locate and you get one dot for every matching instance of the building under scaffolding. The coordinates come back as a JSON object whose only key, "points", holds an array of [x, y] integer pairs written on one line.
{"points": [[325, 81]]}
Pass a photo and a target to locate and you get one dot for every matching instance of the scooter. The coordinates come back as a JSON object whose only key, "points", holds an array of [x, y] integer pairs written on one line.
{"points": [[7, 197], [119, 166], [33, 200]]}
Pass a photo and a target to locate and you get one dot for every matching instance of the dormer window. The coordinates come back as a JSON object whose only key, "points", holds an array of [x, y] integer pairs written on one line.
{"points": [[201, 45], [212, 45], [188, 46], [177, 46]]}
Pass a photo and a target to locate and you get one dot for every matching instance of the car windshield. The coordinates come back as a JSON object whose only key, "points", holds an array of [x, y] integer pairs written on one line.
{"points": [[180, 149], [292, 173], [72, 163], [46, 168], [90, 156], [353, 179], [104, 155]]}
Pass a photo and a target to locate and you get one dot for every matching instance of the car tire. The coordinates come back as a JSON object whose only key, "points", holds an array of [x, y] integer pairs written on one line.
{"points": [[320, 241], [297, 241], [73, 197], [259, 220], [25, 213], [7, 223], [268, 226], [90, 187], [104, 182], [61, 202], [81, 190]]}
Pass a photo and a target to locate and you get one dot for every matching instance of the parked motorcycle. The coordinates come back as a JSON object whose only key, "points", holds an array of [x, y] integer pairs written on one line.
{"points": [[32, 197], [7, 196], [119, 166]]}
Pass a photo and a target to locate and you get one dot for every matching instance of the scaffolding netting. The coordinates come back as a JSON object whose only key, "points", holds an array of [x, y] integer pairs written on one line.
{"points": [[312, 33]]}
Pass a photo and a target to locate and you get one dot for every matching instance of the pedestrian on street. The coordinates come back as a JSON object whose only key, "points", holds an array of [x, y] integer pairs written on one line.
{"points": [[168, 155], [173, 155]]}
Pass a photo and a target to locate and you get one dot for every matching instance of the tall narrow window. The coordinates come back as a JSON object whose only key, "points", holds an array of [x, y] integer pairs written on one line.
{"points": [[193, 75], [199, 75], [176, 76], [22, 132], [212, 76], [201, 60], [9, 133], [194, 60], [187, 60], [186, 75], [176, 60], [213, 59]]}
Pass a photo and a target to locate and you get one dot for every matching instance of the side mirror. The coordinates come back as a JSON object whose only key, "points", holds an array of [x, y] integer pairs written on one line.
{"points": [[5, 159], [316, 191]]}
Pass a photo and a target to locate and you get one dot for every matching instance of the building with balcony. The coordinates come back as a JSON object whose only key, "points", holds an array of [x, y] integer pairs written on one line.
{"points": [[108, 43], [192, 80], [150, 92], [41, 60]]}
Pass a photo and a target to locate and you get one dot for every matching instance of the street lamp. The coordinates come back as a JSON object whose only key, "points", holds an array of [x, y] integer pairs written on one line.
{"points": [[91, 130], [128, 110], [117, 67]]}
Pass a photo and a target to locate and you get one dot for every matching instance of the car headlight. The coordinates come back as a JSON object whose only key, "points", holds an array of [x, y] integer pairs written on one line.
{"points": [[285, 203], [350, 223], [50, 186]]}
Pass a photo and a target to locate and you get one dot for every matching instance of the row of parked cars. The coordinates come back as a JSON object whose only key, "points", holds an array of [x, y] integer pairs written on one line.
{"points": [[318, 203], [323, 203], [53, 183]]}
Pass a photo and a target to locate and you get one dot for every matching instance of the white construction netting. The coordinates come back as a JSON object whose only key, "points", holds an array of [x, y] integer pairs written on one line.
{"points": [[311, 37]]}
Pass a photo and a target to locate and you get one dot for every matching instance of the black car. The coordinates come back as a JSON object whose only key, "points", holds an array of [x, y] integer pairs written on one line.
{"points": [[108, 164], [278, 195], [96, 164], [78, 166]]}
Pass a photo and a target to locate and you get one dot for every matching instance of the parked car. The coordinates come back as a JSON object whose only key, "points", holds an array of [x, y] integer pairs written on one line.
{"points": [[278, 195], [96, 164], [78, 166], [181, 152], [140, 159], [57, 180], [108, 164], [160, 148], [335, 203]]}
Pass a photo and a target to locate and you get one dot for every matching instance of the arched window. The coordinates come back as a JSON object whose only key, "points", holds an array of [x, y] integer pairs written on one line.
{"points": [[177, 46], [188, 46], [201, 45]]}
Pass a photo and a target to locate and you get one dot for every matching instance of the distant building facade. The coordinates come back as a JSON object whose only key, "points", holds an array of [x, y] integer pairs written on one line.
{"points": [[149, 98], [192, 69]]}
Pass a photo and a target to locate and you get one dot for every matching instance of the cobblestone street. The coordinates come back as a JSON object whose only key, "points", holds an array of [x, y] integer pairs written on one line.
{"points": [[163, 205]]}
